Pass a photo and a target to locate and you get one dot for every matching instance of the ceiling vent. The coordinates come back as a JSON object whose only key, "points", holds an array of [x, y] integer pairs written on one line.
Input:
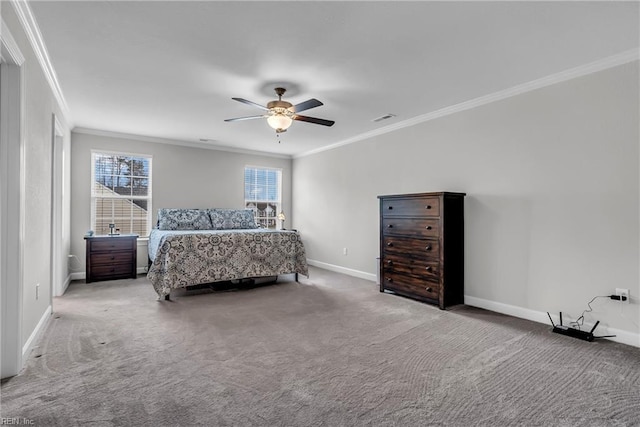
{"points": [[385, 117]]}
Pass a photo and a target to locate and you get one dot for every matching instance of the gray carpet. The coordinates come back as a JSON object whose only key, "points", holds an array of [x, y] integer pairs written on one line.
{"points": [[329, 351]]}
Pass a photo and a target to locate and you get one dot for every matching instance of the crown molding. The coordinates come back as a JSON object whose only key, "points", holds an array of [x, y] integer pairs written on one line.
{"points": [[572, 73], [31, 29], [190, 144], [9, 44]]}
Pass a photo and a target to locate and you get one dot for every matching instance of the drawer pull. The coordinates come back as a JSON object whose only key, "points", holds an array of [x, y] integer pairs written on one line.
{"points": [[428, 227], [428, 248], [389, 279], [428, 207], [389, 244], [390, 226], [390, 207], [429, 268], [428, 289], [389, 262]]}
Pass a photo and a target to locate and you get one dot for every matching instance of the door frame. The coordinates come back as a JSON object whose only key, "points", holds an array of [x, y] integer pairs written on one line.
{"points": [[57, 194], [12, 183]]}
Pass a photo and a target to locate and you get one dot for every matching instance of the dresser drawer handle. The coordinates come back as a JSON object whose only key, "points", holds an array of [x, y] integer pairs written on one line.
{"points": [[428, 248], [428, 207], [428, 289], [389, 244], [389, 262], [390, 226], [428, 227], [429, 268], [389, 279], [112, 258], [390, 207]]}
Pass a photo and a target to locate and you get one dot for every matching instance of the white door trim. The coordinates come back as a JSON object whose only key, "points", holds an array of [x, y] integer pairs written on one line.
{"points": [[12, 200], [57, 263]]}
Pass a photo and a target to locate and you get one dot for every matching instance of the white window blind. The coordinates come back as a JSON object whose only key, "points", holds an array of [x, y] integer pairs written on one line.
{"points": [[262, 194], [121, 193]]}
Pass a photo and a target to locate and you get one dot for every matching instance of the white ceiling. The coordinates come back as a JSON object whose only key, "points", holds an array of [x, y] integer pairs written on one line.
{"points": [[169, 69]]}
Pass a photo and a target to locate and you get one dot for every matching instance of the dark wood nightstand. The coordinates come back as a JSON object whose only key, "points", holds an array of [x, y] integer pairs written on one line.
{"points": [[111, 257]]}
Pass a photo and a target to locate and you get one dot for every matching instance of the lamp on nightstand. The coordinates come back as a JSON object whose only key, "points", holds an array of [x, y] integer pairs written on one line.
{"points": [[281, 217]]}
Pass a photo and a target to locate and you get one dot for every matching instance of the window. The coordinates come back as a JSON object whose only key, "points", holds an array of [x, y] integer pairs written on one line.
{"points": [[262, 192], [121, 193]]}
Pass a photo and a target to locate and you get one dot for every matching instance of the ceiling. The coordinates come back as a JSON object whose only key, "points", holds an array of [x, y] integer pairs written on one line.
{"points": [[169, 69]]}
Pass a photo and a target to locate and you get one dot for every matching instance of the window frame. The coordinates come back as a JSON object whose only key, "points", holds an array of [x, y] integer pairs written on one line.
{"points": [[148, 197], [278, 203]]}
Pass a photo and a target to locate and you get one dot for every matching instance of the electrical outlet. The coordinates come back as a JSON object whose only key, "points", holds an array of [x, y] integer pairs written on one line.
{"points": [[344, 251], [37, 290], [623, 293]]}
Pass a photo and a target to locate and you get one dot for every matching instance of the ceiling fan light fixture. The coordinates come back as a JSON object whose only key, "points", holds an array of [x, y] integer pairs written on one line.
{"points": [[279, 121]]}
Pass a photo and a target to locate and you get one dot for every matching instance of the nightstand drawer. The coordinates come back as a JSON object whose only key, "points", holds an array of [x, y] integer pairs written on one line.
{"points": [[111, 244], [111, 271], [111, 258]]}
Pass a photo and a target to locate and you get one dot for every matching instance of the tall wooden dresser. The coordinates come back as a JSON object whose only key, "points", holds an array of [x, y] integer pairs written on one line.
{"points": [[422, 246]]}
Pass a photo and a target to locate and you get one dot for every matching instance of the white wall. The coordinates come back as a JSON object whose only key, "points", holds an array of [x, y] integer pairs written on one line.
{"points": [[552, 187], [39, 104], [182, 177]]}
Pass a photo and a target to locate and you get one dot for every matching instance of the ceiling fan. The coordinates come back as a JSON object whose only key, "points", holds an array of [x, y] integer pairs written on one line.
{"points": [[280, 114]]}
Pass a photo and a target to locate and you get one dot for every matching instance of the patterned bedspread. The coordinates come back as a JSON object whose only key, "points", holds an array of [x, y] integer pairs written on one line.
{"points": [[186, 258]]}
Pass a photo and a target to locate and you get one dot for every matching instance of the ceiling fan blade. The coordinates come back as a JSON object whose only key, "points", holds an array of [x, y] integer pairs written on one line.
{"points": [[314, 120], [306, 105], [238, 119], [244, 101]]}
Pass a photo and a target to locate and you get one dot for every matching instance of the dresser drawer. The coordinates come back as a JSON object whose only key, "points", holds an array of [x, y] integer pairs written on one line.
{"points": [[111, 258], [411, 286], [112, 244], [427, 206], [406, 246], [413, 227], [427, 268]]}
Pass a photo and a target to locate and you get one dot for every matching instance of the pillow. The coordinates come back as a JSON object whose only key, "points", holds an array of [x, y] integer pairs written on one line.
{"points": [[232, 219], [183, 219]]}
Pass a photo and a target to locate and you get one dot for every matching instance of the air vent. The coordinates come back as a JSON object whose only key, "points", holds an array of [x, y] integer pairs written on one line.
{"points": [[385, 117]]}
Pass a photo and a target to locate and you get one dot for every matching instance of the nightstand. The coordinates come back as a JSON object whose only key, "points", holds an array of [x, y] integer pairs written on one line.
{"points": [[111, 257]]}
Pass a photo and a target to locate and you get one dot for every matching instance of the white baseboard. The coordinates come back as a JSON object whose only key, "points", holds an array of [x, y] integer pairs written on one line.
{"points": [[343, 270], [623, 337], [65, 285], [28, 346], [78, 276]]}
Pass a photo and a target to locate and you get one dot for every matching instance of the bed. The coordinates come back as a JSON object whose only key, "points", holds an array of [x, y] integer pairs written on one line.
{"points": [[196, 246]]}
